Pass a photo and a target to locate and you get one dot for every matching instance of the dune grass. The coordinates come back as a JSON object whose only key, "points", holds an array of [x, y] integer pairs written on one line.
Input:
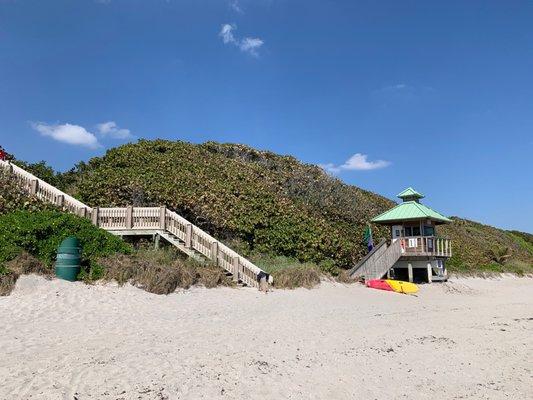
{"points": [[22, 264], [161, 271]]}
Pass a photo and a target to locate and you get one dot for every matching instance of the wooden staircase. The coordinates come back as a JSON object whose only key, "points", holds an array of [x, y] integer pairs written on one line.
{"points": [[376, 263], [157, 221]]}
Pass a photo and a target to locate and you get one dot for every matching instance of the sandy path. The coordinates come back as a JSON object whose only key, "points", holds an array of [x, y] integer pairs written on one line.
{"points": [[468, 339]]}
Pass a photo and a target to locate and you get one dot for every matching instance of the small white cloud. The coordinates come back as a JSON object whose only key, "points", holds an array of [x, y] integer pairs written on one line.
{"points": [[68, 133], [247, 45], [236, 6], [251, 45], [357, 162], [110, 129], [226, 33]]}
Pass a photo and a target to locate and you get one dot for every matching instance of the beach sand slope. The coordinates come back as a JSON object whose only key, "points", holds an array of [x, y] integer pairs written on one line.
{"points": [[465, 339]]}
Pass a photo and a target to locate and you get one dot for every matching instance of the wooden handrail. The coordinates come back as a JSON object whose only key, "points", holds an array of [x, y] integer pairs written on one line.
{"points": [[378, 262], [427, 246], [118, 219]]}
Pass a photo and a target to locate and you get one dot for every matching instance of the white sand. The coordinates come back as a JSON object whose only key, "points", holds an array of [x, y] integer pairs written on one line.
{"points": [[467, 339]]}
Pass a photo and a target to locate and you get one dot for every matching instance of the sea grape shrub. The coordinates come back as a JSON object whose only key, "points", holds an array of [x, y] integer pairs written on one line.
{"points": [[274, 204], [40, 233], [13, 198]]}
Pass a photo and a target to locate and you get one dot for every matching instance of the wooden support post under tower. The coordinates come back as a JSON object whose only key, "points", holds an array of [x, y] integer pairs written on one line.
{"points": [[430, 273], [410, 271]]}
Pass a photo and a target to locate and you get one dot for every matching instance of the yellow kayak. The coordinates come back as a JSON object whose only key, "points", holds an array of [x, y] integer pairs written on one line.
{"points": [[402, 287]]}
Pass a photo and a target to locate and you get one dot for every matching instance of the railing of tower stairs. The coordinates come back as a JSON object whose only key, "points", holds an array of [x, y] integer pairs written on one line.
{"points": [[376, 263], [186, 236]]}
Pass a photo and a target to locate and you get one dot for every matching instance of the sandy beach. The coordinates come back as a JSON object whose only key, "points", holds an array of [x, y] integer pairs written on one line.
{"points": [[465, 339]]}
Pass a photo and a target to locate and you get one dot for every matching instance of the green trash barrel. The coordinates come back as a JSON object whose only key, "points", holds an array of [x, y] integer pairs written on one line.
{"points": [[68, 259]]}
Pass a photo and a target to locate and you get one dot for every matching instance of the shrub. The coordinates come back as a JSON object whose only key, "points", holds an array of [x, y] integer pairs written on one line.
{"points": [[13, 198], [274, 204], [40, 233]]}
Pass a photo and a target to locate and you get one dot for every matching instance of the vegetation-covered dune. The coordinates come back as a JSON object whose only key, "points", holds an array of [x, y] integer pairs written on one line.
{"points": [[270, 204]]}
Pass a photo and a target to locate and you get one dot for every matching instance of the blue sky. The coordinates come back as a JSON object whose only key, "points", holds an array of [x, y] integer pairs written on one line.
{"points": [[384, 94]]}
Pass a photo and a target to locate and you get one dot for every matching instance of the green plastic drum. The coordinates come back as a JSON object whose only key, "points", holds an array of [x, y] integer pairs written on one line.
{"points": [[68, 259]]}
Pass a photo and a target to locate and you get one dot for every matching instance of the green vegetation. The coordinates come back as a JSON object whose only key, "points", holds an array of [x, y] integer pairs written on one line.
{"points": [[13, 198], [291, 219], [483, 248], [39, 234], [274, 205]]}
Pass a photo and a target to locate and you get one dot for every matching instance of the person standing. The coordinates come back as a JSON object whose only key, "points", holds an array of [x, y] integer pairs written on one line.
{"points": [[3, 154]]}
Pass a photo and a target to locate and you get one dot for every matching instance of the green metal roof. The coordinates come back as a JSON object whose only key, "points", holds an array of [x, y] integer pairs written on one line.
{"points": [[410, 210], [410, 192]]}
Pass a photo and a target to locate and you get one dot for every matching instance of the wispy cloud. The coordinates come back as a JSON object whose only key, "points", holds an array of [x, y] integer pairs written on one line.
{"points": [[357, 162], [235, 5], [247, 45], [400, 93], [68, 133], [398, 86], [110, 129]]}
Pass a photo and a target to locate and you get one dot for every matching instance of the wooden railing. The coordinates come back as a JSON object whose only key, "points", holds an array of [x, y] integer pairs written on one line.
{"points": [[378, 262], [426, 246], [143, 218], [45, 191]]}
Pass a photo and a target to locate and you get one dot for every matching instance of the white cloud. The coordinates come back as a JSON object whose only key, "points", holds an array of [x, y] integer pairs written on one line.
{"points": [[251, 45], [247, 45], [226, 33], [110, 129], [236, 6], [68, 133], [357, 162]]}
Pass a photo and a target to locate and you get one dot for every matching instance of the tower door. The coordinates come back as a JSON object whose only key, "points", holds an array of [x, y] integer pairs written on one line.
{"points": [[397, 232]]}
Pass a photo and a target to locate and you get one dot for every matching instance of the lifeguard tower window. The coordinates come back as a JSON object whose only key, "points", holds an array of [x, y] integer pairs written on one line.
{"points": [[429, 231], [412, 231]]}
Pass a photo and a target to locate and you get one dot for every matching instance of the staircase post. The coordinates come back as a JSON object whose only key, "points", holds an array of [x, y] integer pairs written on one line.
{"points": [[82, 212], [129, 217], [162, 217], [236, 269], [95, 216], [60, 200], [188, 236], [214, 253], [34, 186]]}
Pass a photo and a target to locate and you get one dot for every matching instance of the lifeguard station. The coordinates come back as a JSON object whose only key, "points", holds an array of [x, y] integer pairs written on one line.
{"points": [[413, 245]]}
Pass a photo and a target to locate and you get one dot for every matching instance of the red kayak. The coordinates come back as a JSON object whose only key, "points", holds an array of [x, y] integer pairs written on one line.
{"points": [[381, 284]]}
